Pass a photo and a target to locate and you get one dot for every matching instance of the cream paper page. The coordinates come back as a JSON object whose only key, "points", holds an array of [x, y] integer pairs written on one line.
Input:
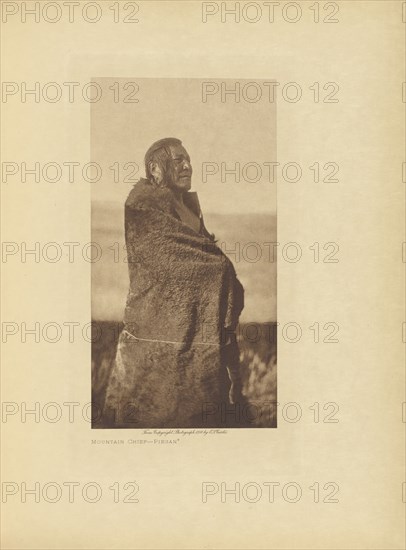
{"points": [[293, 114]]}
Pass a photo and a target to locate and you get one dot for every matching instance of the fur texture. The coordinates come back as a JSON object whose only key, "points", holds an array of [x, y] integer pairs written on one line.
{"points": [[177, 350]]}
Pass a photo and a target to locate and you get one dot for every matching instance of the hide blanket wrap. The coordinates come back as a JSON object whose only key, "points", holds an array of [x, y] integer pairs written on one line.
{"points": [[177, 355]]}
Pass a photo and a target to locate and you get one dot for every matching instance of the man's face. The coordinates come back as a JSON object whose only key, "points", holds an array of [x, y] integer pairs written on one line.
{"points": [[178, 174]]}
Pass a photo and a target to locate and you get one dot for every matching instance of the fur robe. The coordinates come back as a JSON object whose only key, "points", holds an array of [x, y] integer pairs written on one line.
{"points": [[178, 350]]}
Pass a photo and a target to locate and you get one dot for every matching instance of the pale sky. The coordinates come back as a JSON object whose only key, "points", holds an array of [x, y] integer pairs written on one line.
{"points": [[216, 134]]}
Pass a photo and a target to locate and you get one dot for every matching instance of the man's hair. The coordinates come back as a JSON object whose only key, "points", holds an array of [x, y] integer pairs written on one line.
{"points": [[159, 152]]}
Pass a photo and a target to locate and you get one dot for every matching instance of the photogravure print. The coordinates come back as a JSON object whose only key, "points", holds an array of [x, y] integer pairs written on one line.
{"points": [[203, 256], [183, 359]]}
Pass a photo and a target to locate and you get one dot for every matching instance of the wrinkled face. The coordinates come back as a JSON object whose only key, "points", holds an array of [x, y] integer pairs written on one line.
{"points": [[178, 174]]}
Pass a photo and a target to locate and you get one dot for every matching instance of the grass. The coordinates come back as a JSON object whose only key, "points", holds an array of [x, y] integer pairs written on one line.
{"points": [[258, 354]]}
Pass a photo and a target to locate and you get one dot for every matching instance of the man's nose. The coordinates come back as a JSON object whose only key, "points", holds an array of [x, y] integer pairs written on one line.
{"points": [[186, 165]]}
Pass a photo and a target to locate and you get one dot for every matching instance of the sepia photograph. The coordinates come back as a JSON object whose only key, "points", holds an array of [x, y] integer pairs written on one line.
{"points": [[184, 294], [203, 275]]}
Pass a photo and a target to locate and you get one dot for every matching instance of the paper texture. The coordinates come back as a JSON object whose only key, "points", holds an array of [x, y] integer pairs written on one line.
{"points": [[293, 116]]}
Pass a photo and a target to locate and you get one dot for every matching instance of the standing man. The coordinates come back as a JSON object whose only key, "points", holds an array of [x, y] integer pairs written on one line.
{"points": [[177, 362]]}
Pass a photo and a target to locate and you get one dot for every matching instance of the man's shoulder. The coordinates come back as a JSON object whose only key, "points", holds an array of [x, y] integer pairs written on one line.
{"points": [[145, 196]]}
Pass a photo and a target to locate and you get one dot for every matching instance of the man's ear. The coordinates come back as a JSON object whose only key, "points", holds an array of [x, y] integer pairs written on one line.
{"points": [[156, 172]]}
